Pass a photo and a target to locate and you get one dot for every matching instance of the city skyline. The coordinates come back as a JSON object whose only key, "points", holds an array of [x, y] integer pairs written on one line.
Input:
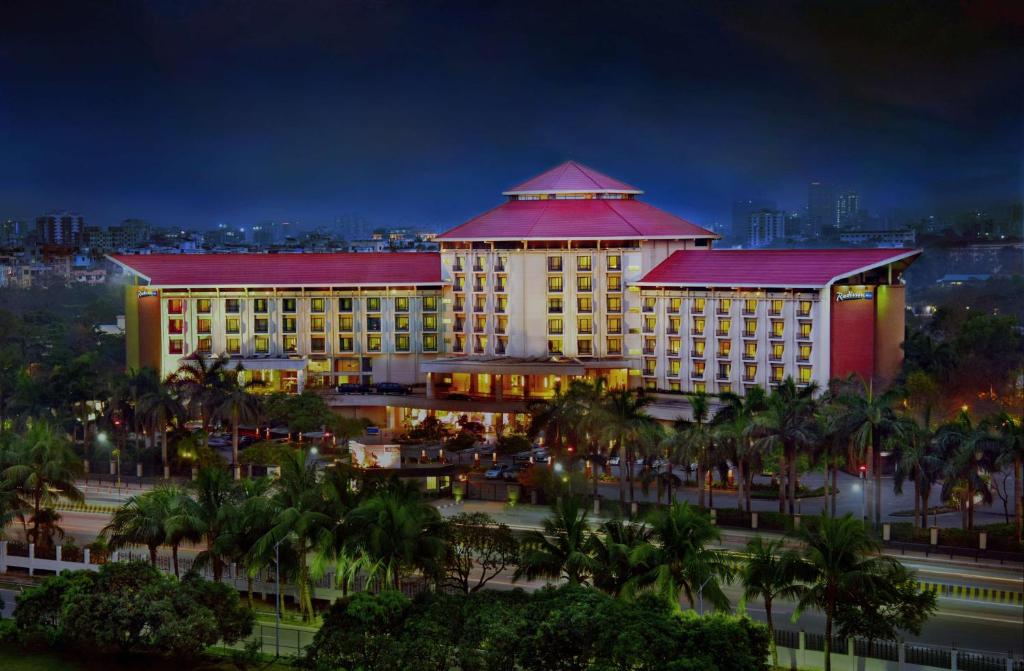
{"points": [[274, 127]]}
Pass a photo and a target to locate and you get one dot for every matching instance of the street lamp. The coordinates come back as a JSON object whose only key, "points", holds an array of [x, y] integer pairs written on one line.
{"points": [[700, 595], [864, 494], [277, 602]]}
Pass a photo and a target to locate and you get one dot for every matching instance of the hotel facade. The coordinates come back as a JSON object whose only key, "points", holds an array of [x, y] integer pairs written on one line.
{"points": [[573, 275]]}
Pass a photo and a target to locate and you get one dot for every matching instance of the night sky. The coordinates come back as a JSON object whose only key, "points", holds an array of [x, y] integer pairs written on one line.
{"points": [[419, 114]]}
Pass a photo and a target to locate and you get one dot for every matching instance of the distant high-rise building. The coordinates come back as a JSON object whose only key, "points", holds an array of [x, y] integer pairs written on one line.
{"points": [[11, 231], [741, 211], [136, 232], [821, 208], [847, 208], [765, 228], [64, 229]]}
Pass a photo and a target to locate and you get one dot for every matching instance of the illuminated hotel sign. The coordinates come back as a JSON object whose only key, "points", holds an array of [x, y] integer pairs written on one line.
{"points": [[143, 293], [853, 296]]}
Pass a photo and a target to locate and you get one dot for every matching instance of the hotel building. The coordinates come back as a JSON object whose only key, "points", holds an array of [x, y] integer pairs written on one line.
{"points": [[572, 275]]}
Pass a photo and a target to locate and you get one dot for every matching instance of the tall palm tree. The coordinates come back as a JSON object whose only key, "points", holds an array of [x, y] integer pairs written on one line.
{"points": [[142, 520], [917, 460], [561, 548], [396, 530], [625, 424], [697, 438], [968, 452], [736, 427], [1010, 435], [618, 552], [207, 513], [788, 424], [237, 404], [300, 523], [42, 469], [769, 572], [201, 379], [870, 419], [251, 517], [682, 564], [160, 408], [837, 558]]}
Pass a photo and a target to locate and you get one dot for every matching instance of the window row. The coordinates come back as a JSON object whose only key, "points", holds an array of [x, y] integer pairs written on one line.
{"points": [[674, 305], [585, 263], [290, 305], [317, 324], [724, 372], [317, 344]]}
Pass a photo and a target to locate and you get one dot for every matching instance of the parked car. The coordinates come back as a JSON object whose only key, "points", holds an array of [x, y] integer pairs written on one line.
{"points": [[613, 461], [392, 389], [511, 474], [456, 396], [496, 472], [354, 388]]}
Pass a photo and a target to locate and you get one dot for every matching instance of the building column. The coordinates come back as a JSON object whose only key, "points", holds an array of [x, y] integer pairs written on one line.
{"points": [[497, 385], [526, 387], [430, 386], [473, 384], [300, 381]]}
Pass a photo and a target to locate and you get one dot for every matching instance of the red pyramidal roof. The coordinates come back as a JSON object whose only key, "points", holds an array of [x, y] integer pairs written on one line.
{"points": [[283, 270], [572, 177], [755, 268]]}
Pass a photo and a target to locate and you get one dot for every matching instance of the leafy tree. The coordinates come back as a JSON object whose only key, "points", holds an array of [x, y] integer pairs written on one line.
{"points": [[788, 424], [619, 552], [1009, 436], [625, 425], [201, 380], [141, 520], [160, 408], [207, 513], [237, 404], [560, 550], [476, 541], [358, 631], [968, 452], [769, 572], [736, 425], [893, 603]]}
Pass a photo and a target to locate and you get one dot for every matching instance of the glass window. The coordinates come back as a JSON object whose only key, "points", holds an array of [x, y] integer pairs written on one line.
{"points": [[203, 305], [805, 353], [176, 326], [555, 284], [234, 345], [501, 303], [175, 346], [750, 372], [204, 325], [585, 325], [290, 344], [724, 326], [554, 345], [777, 373], [288, 304], [554, 306], [698, 347], [724, 348], [675, 304], [776, 306], [674, 366], [778, 349], [262, 344], [429, 322], [373, 324], [750, 305], [345, 304], [700, 387], [805, 308], [232, 306], [555, 326], [373, 304], [317, 304], [805, 374], [584, 304], [554, 264], [345, 344], [317, 324], [402, 304], [430, 303], [261, 305], [373, 343], [584, 347], [614, 262], [584, 283], [805, 329], [614, 345], [402, 342], [777, 327], [615, 283], [345, 323], [261, 325], [698, 325], [204, 345], [615, 325], [175, 306], [698, 305], [614, 303], [650, 302], [317, 343], [750, 327], [429, 342], [750, 350], [401, 322], [233, 325], [290, 325], [583, 263]]}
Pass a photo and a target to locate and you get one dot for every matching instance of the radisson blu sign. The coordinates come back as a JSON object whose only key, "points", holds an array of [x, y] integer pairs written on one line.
{"points": [[853, 296]]}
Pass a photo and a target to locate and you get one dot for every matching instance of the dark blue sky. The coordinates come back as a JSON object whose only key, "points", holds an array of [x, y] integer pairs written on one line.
{"points": [[420, 113]]}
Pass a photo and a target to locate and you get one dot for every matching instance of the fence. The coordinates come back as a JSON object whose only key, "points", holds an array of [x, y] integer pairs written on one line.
{"points": [[798, 650]]}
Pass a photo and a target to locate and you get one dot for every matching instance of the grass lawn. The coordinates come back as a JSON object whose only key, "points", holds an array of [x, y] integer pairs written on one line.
{"points": [[14, 659]]}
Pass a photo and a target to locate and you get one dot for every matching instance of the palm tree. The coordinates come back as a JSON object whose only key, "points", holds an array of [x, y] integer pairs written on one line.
{"points": [[300, 523], [250, 519], [42, 469], [696, 439], [618, 551], [561, 548], [769, 572], [869, 419], [788, 424], [207, 513], [682, 564], [397, 531], [142, 520], [917, 460], [237, 404], [624, 425], [160, 408], [736, 427], [1010, 432], [968, 452], [201, 380], [837, 559]]}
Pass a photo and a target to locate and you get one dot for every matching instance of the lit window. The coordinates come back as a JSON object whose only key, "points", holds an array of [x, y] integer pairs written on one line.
{"points": [[345, 304], [805, 329], [724, 305], [698, 368], [674, 346], [430, 303], [345, 323], [429, 342], [290, 344], [232, 306], [615, 325], [288, 305], [373, 304], [724, 348], [614, 304], [750, 306], [402, 304], [675, 304], [554, 264], [261, 325], [233, 325], [584, 283], [176, 326], [700, 387], [674, 366], [402, 342], [805, 353], [401, 322], [585, 325], [698, 348], [778, 349], [750, 350], [584, 304], [175, 306], [175, 346], [555, 326], [500, 303], [583, 263], [614, 283], [204, 325], [554, 306], [805, 308], [261, 305], [262, 344], [555, 284], [749, 328], [203, 306], [614, 345], [373, 343], [724, 326], [614, 262], [584, 347], [317, 304], [317, 324], [777, 373], [429, 322], [750, 372], [649, 324], [698, 325], [345, 344], [204, 345], [777, 328], [554, 345], [805, 374], [290, 325], [234, 345]]}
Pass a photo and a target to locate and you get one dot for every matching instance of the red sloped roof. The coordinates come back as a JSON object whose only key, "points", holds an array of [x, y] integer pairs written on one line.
{"points": [[572, 177], [222, 270], [575, 219], [768, 267]]}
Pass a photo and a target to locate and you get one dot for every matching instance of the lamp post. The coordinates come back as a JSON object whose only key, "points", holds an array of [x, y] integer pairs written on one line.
{"points": [[863, 494], [700, 596], [277, 602]]}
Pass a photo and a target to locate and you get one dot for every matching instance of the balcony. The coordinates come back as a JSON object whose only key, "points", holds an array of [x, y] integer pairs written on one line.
{"points": [[804, 313], [749, 334], [500, 287], [556, 332], [499, 349], [458, 267], [500, 328], [775, 312], [803, 359], [480, 328], [697, 309], [749, 356], [804, 335], [479, 288], [674, 353], [648, 308], [500, 267], [722, 332], [777, 335], [749, 312], [673, 330], [479, 350], [479, 307], [554, 310], [614, 351], [478, 268], [649, 350], [722, 377], [722, 311], [696, 331], [723, 354], [697, 354], [696, 374], [749, 379]]}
